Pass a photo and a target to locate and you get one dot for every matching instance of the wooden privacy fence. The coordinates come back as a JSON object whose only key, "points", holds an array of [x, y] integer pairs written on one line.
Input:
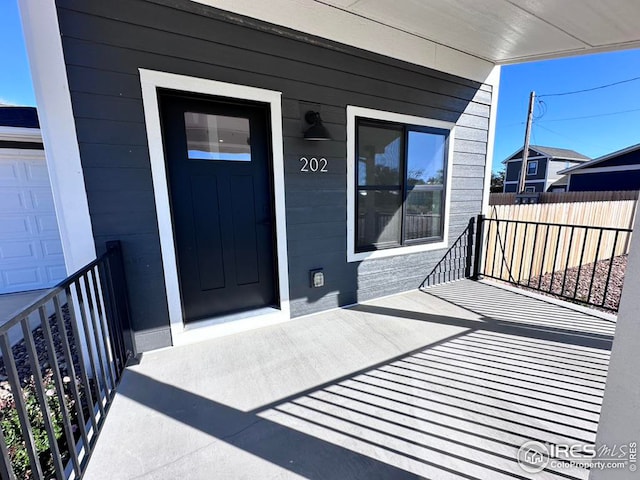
{"points": [[567, 197], [521, 250], [573, 250], [574, 245]]}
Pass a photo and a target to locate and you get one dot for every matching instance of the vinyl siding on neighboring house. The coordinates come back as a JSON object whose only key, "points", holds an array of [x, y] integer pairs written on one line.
{"points": [[512, 172], [625, 175], [513, 168], [512, 175], [605, 181], [105, 43], [625, 159], [547, 170], [556, 166], [541, 170]]}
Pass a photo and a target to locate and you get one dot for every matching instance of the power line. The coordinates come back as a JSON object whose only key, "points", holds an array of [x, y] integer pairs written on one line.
{"points": [[589, 89], [564, 119], [592, 116], [569, 138], [542, 107]]}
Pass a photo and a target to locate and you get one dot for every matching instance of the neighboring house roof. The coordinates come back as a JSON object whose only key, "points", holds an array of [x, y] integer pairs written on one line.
{"points": [[561, 182], [24, 117], [552, 152], [603, 158]]}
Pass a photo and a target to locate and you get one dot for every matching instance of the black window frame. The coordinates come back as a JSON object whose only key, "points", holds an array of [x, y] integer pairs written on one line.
{"points": [[406, 128]]}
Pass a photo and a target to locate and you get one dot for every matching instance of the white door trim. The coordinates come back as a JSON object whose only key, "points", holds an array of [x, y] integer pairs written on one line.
{"points": [[151, 81]]}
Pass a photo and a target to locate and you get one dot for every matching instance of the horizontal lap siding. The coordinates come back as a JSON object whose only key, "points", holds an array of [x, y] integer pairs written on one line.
{"points": [[106, 42]]}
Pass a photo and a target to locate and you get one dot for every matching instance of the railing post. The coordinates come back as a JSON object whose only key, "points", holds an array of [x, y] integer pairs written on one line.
{"points": [[469, 258], [477, 258], [121, 300]]}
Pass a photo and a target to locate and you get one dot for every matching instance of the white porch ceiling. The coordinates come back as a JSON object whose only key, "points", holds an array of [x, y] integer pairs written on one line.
{"points": [[509, 31], [463, 37]]}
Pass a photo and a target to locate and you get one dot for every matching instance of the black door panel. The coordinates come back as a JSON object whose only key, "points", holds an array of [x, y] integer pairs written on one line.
{"points": [[219, 176]]}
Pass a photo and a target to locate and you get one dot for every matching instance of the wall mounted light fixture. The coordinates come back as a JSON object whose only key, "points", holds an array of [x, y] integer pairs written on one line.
{"points": [[317, 131]]}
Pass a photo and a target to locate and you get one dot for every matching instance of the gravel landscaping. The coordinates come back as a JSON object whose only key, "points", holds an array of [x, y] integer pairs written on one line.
{"points": [[9, 420], [553, 282], [21, 357]]}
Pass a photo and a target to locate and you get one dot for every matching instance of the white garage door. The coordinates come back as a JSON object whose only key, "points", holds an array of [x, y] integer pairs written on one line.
{"points": [[30, 249]]}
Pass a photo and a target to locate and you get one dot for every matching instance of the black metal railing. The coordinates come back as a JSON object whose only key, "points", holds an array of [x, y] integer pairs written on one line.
{"points": [[62, 358], [583, 264], [457, 262]]}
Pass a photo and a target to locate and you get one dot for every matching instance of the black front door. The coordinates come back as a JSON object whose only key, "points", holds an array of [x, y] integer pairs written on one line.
{"points": [[219, 174]]}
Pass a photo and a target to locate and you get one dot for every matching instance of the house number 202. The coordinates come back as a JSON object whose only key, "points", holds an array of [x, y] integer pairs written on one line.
{"points": [[313, 165]]}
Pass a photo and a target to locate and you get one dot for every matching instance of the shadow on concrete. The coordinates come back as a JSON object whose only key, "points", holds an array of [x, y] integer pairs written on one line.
{"points": [[457, 408], [542, 332], [293, 450]]}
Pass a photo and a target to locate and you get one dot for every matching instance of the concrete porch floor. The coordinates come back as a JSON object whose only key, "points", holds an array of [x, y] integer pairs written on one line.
{"points": [[442, 384]]}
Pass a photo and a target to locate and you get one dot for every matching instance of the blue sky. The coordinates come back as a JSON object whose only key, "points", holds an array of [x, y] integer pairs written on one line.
{"points": [[15, 78], [594, 136]]}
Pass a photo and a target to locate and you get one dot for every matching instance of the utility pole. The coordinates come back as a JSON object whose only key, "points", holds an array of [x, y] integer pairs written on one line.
{"points": [[525, 151]]}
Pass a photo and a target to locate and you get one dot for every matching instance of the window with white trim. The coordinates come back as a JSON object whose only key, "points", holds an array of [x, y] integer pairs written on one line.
{"points": [[400, 183], [532, 167]]}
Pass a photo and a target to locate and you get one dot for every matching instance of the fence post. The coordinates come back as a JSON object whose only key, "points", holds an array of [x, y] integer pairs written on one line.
{"points": [[469, 248], [121, 300], [477, 258]]}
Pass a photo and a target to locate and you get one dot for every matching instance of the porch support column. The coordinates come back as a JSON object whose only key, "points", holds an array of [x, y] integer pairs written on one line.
{"points": [[48, 71], [619, 420]]}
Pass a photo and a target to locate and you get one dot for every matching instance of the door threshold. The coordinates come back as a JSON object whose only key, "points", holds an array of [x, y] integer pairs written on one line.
{"points": [[229, 324]]}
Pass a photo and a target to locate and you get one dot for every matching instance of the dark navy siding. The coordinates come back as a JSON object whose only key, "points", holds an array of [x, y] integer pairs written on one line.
{"points": [[23, 117], [542, 169], [106, 42], [631, 158], [514, 167], [605, 181], [21, 145]]}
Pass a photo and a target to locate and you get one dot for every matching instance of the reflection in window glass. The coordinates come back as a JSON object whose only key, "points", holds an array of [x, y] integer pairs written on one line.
{"points": [[216, 137], [379, 216], [379, 150], [425, 159], [425, 185], [401, 173], [423, 213]]}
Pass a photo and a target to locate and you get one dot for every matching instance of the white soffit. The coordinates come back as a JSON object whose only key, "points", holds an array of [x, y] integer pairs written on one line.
{"points": [[327, 21], [446, 34]]}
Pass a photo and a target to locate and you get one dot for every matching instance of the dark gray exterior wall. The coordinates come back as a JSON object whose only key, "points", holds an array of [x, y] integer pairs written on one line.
{"points": [[106, 42]]}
